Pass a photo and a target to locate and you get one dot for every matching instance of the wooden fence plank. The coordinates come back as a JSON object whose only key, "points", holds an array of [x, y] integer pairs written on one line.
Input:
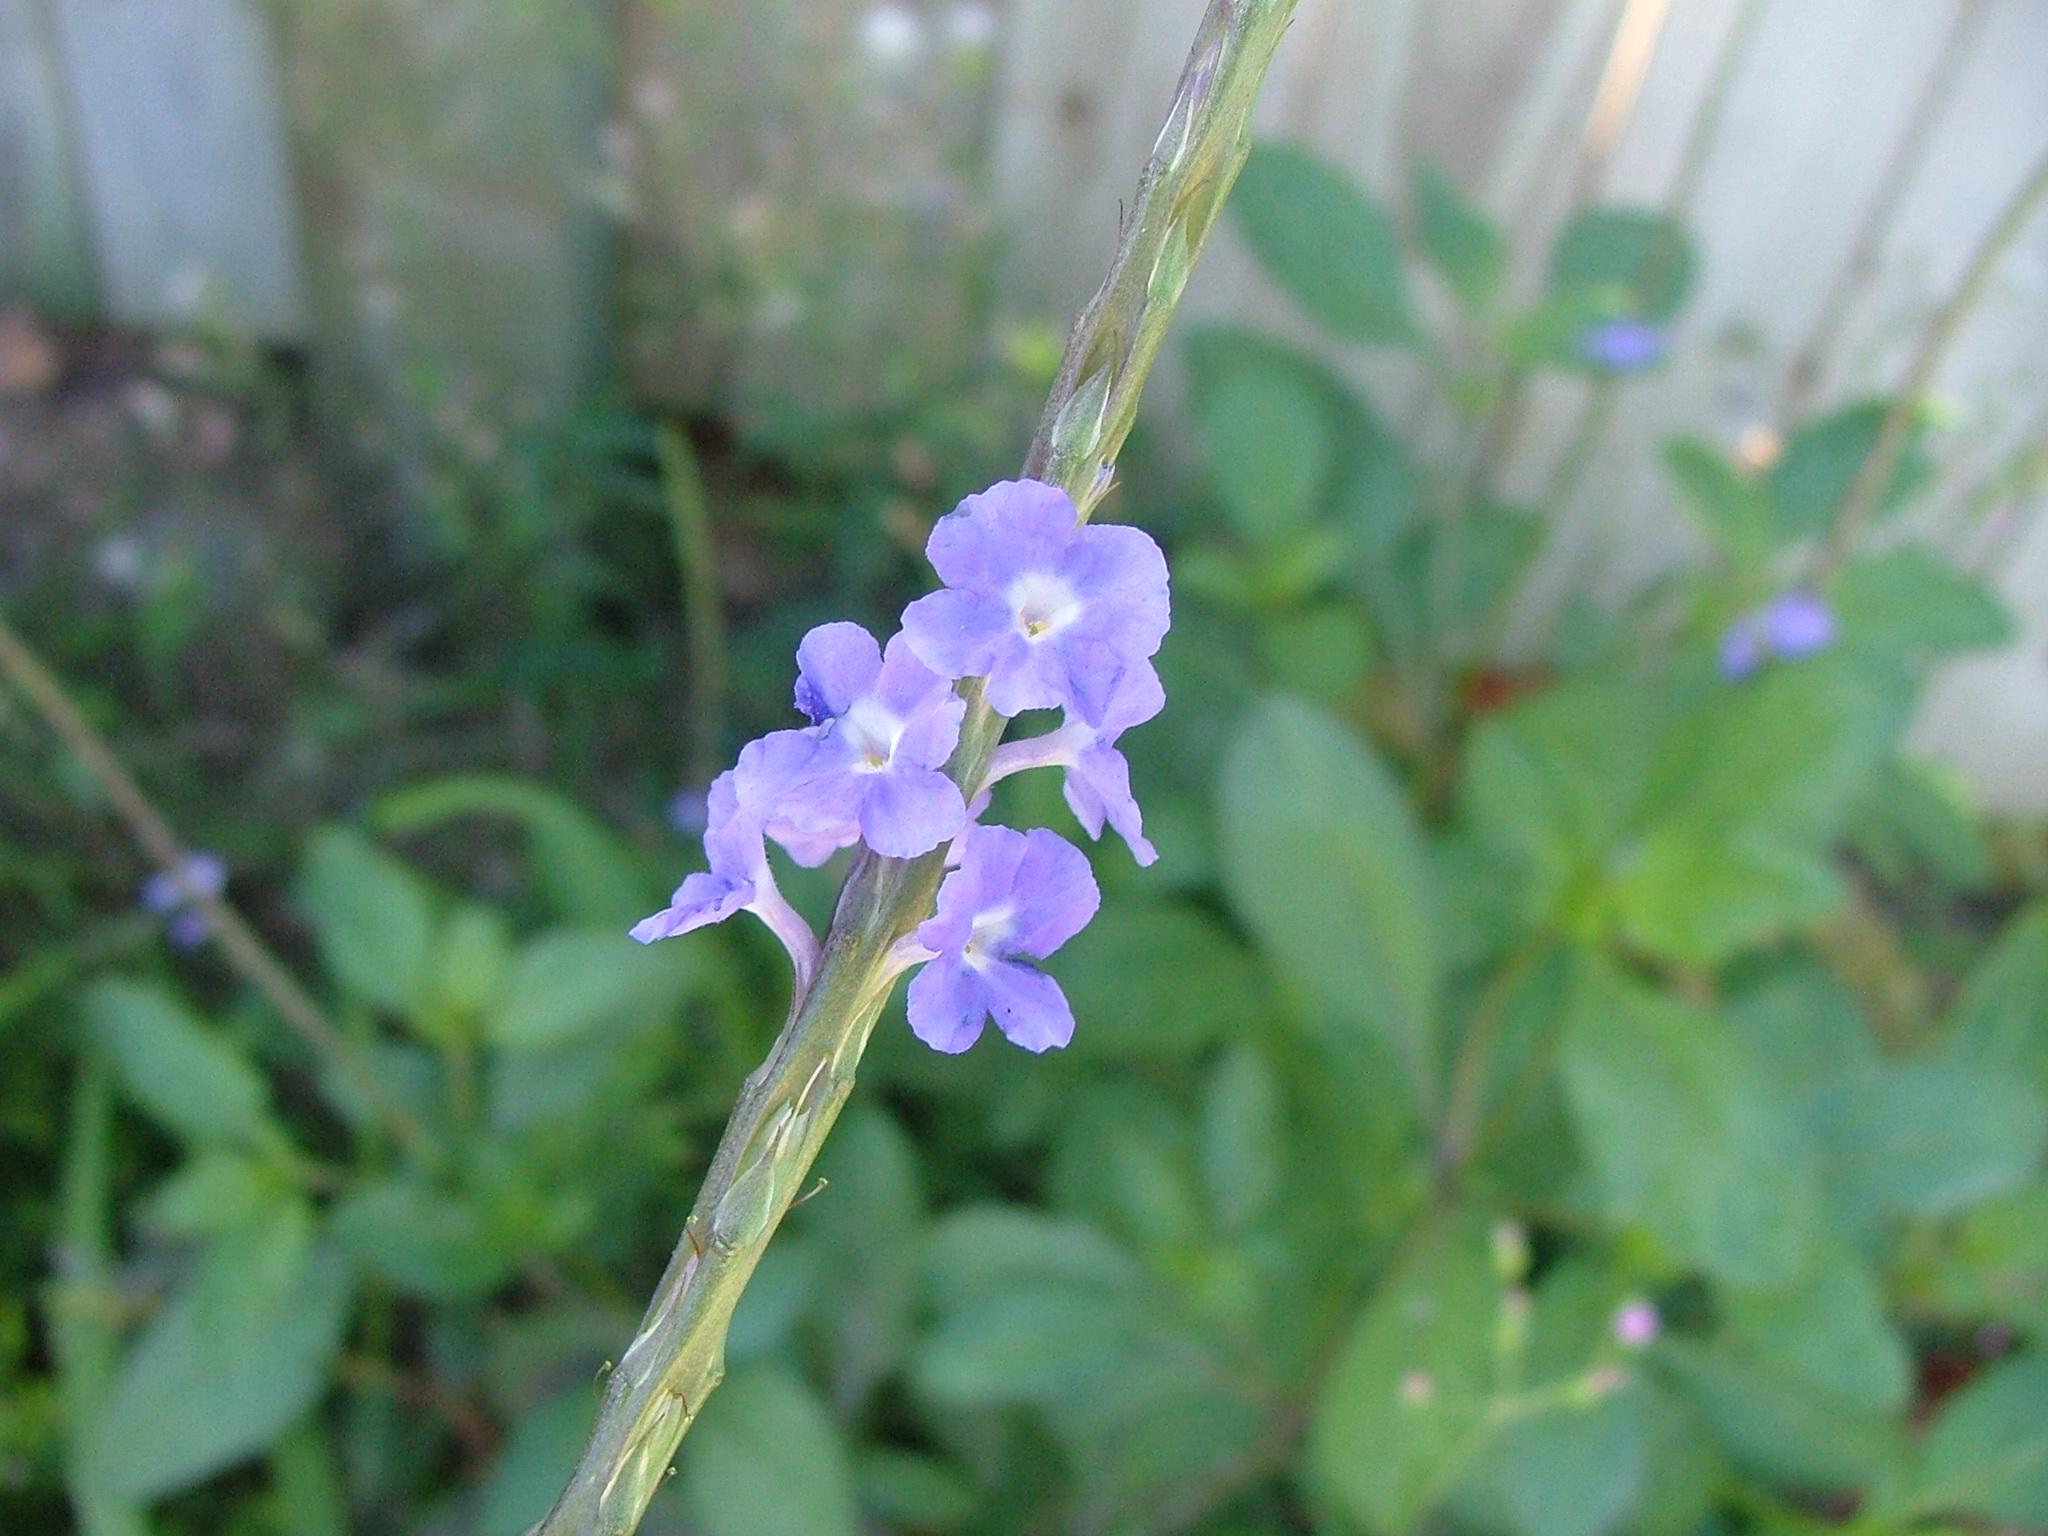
{"points": [[44, 256]]}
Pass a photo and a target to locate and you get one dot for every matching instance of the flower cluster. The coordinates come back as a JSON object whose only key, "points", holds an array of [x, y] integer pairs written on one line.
{"points": [[1623, 346], [1793, 624], [179, 896], [1045, 612]]}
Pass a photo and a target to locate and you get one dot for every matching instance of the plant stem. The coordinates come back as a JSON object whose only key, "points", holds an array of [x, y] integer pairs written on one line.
{"points": [[1875, 478], [244, 951], [788, 1105], [689, 515]]}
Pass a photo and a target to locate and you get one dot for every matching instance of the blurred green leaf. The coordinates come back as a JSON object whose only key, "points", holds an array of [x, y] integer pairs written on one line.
{"points": [[2000, 1021], [1323, 653], [1828, 1328], [1569, 1470], [1243, 1137], [567, 984], [1730, 508], [421, 1240], [909, 1492], [187, 1077], [868, 1223], [1684, 1135], [1326, 241], [1986, 1453], [1920, 820], [1322, 858], [1408, 1402], [1700, 899], [1156, 979], [188, 1403], [766, 1459], [1460, 242], [1822, 461], [539, 1453], [1911, 602], [1268, 430], [1639, 260], [372, 918], [1780, 1426], [212, 1191], [466, 974], [1925, 1138]]}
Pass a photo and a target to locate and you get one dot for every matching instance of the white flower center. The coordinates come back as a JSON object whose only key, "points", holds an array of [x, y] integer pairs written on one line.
{"points": [[872, 732], [990, 928], [1044, 604]]}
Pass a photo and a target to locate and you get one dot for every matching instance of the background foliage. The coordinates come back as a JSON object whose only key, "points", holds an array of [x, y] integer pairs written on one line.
{"points": [[1482, 991]]}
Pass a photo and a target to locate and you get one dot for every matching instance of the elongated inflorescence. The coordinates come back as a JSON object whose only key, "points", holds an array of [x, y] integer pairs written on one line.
{"points": [[1039, 611]]}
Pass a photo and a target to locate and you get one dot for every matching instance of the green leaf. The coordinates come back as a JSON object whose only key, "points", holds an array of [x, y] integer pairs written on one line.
{"points": [[1987, 1452], [1911, 602], [539, 1453], [1564, 1471], [372, 918], [565, 985], [466, 975], [1323, 859], [1701, 899], [868, 1222], [1828, 1329], [1640, 260], [215, 1190], [1920, 820], [1926, 1138], [421, 1240], [1684, 1134], [766, 1459], [1778, 1425], [1408, 1402], [1243, 1137], [1153, 979], [1268, 430], [188, 1403], [1460, 242], [1323, 653], [1822, 461], [1326, 241], [187, 1077], [1729, 507], [594, 877], [908, 1492], [2000, 1022]]}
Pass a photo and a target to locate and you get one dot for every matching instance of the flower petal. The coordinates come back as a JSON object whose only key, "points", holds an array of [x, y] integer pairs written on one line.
{"points": [[909, 811], [953, 632], [835, 664], [1054, 893], [946, 1007], [1029, 1006], [1013, 526], [1120, 574], [701, 899], [1026, 675]]}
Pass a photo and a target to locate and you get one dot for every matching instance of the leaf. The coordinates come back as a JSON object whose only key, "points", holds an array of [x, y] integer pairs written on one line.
{"points": [[211, 1192], [1729, 507], [421, 1240], [188, 1078], [1326, 241], [1828, 1329], [1684, 1135], [1779, 1427], [1926, 1138], [1268, 430], [567, 984], [2000, 1022], [1910, 602], [868, 1222], [1243, 1138], [1987, 1451], [1407, 1403], [1156, 979], [372, 918], [1323, 652], [1821, 463], [766, 1459], [1700, 900], [1564, 1471], [188, 1403], [539, 1453], [1919, 820], [908, 1492], [1640, 259], [1323, 860], [594, 877], [1468, 252]]}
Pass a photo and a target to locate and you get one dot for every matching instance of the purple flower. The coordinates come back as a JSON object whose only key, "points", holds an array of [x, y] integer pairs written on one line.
{"points": [[1791, 625], [1637, 1324], [1623, 346], [1016, 897], [884, 725], [739, 879], [1098, 781], [179, 897], [1051, 611]]}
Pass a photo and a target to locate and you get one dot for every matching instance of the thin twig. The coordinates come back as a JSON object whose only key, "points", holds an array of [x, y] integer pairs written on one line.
{"points": [[240, 946]]}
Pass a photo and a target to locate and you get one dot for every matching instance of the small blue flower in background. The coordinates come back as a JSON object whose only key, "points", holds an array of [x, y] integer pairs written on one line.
{"points": [[1623, 346], [1050, 610], [1098, 781], [178, 897], [1791, 625], [689, 811], [1016, 897]]}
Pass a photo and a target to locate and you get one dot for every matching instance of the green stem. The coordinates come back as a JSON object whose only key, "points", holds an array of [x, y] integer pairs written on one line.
{"points": [[689, 515], [788, 1105], [1876, 475], [238, 943]]}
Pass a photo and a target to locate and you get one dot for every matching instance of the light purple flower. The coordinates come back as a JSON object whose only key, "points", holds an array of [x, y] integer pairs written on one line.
{"points": [[1098, 779], [884, 725], [1623, 346], [1637, 1324], [179, 897], [739, 879], [1015, 897], [1791, 625], [1051, 611]]}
